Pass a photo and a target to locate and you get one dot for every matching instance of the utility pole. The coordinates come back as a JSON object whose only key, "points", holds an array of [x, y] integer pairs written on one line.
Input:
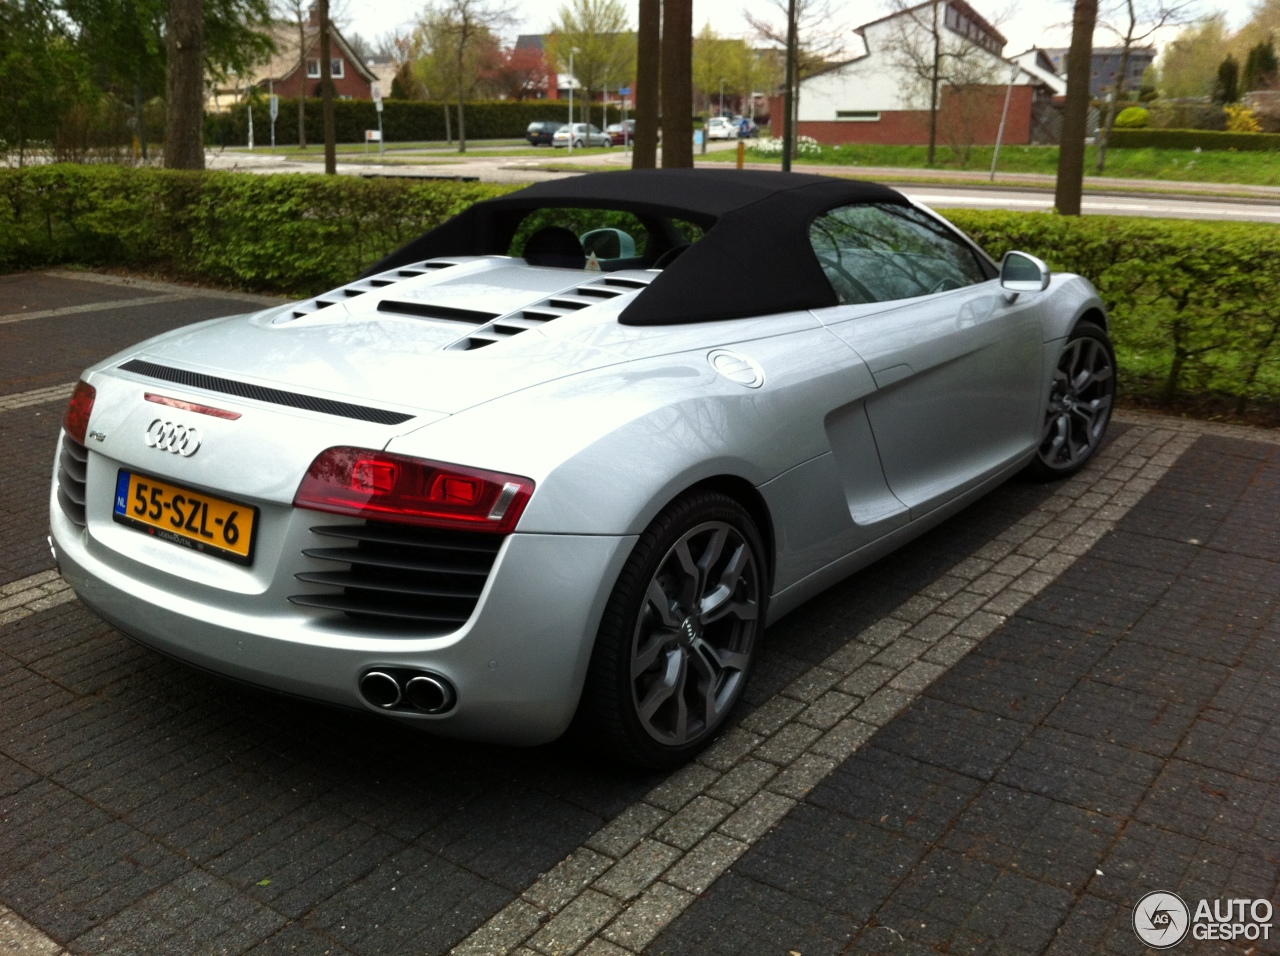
{"points": [[326, 91]]}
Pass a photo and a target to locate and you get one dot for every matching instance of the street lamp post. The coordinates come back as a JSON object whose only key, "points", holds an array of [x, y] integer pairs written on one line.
{"points": [[722, 96]]}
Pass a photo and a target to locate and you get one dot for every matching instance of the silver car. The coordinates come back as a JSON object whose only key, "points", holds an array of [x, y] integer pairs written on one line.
{"points": [[534, 465]]}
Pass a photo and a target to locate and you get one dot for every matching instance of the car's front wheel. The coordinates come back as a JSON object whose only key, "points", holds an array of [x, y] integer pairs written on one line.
{"points": [[1081, 396], [679, 634]]}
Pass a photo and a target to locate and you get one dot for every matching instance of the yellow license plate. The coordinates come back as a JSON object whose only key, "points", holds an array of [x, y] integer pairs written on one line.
{"points": [[189, 518]]}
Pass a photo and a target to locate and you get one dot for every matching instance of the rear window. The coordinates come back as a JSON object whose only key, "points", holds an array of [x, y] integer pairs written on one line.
{"points": [[617, 239]]}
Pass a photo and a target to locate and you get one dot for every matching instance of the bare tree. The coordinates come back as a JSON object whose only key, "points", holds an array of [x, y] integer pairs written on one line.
{"points": [[604, 48], [457, 35], [1075, 113], [184, 82], [1135, 21], [935, 56], [648, 84], [820, 38]]}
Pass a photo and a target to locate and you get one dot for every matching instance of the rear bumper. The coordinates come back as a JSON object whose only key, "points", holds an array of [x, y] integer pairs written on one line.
{"points": [[518, 664]]}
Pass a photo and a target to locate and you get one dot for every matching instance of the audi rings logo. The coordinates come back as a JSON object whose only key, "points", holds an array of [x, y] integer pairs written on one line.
{"points": [[175, 439]]}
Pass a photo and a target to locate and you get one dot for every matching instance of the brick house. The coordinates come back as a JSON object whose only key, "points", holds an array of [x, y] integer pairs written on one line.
{"points": [[871, 98], [352, 78]]}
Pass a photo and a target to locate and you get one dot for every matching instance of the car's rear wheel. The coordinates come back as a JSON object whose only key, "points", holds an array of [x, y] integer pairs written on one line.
{"points": [[1079, 407], [679, 634]]}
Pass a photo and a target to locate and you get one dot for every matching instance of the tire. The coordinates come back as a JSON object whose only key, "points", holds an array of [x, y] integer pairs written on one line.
{"points": [[1079, 405], [662, 680]]}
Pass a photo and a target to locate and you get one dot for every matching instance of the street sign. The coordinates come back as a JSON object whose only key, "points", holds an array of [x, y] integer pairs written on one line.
{"points": [[624, 91], [275, 107], [377, 96]]}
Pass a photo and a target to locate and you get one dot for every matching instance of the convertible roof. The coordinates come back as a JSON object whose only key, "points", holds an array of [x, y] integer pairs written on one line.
{"points": [[755, 258]]}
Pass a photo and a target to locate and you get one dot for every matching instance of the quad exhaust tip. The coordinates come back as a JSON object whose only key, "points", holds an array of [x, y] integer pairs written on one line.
{"points": [[405, 690]]}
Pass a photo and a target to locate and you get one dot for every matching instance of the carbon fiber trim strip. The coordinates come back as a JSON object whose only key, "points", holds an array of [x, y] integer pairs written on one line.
{"points": [[275, 396]]}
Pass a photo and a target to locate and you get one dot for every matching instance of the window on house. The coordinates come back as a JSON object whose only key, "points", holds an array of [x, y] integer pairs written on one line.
{"points": [[335, 68], [313, 69], [865, 116]]}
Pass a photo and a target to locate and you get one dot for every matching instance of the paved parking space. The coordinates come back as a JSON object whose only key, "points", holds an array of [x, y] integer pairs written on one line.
{"points": [[994, 741]]}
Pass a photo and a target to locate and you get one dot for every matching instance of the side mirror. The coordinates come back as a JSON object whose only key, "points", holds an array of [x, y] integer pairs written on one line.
{"points": [[1020, 272], [608, 244]]}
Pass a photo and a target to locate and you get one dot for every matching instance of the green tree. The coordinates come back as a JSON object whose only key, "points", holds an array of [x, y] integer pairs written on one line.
{"points": [[1189, 66], [459, 45], [604, 47], [1260, 67], [1226, 89], [723, 62], [42, 74]]}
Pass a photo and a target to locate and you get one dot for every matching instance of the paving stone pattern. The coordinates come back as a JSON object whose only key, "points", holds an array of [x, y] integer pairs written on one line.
{"points": [[37, 292], [1120, 734]]}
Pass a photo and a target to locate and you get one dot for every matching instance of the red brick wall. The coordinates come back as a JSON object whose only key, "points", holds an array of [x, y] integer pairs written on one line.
{"points": [[972, 115], [352, 84]]}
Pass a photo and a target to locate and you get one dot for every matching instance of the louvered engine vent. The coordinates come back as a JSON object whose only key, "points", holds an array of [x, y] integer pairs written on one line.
{"points": [[361, 286], [400, 577], [73, 465]]}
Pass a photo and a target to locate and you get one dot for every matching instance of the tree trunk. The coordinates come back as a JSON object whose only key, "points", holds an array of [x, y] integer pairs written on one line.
{"points": [[644, 143], [184, 83], [462, 122], [1075, 115], [789, 97], [302, 82], [677, 88], [448, 129], [1109, 116], [140, 118], [326, 91], [934, 81]]}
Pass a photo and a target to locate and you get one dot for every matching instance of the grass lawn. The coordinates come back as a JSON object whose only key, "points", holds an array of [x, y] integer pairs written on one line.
{"points": [[344, 149], [1209, 166], [437, 154]]}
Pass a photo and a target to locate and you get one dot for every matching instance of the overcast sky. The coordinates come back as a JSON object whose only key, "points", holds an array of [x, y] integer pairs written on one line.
{"points": [[1043, 23]]}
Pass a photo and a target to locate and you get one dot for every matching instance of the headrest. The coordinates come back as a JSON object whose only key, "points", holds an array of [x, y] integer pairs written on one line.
{"points": [[555, 246]]}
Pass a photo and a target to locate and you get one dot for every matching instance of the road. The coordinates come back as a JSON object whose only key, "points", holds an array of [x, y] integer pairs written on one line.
{"points": [[524, 169]]}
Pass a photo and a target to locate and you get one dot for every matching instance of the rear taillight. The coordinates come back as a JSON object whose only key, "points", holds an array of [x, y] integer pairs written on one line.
{"points": [[76, 422], [387, 487]]}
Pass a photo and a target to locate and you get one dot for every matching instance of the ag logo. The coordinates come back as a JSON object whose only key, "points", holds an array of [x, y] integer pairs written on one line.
{"points": [[1161, 920], [177, 439]]}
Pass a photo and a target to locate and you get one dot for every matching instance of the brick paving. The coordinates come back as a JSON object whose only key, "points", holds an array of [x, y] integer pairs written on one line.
{"points": [[959, 737]]}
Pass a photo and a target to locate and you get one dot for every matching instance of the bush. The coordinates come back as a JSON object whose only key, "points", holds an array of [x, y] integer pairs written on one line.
{"points": [[1132, 117], [290, 234], [1192, 139], [402, 120], [1192, 303]]}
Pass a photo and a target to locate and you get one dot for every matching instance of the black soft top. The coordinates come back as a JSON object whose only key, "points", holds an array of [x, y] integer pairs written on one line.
{"points": [[755, 258]]}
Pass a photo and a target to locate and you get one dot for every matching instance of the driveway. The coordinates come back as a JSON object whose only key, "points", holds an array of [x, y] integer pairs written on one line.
{"points": [[996, 740]]}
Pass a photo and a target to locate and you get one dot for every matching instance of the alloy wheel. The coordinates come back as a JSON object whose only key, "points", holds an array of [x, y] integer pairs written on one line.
{"points": [[693, 640], [1079, 406]]}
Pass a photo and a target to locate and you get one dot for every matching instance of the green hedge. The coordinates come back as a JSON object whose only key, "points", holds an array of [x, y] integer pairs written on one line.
{"points": [[1192, 139], [1192, 303], [290, 234], [402, 120]]}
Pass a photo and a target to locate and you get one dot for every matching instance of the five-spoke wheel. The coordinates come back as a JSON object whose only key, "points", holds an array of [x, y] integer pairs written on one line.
{"points": [[680, 632], [1079, 406]]}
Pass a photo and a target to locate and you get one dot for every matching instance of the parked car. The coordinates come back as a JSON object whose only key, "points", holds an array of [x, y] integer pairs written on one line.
{"points": [[492, 483], [720, 127], [621, 133], [583, 135], [540, 133]]}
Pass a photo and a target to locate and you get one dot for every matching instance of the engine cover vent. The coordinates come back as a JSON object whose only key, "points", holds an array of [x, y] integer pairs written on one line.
{"points": [[361, 286]]}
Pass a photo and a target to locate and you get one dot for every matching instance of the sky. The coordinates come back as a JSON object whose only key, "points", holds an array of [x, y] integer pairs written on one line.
{"points": [[1025, 23]]}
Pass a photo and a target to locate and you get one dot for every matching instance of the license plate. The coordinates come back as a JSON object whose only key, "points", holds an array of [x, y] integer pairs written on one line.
{"points": [[189, 518]]}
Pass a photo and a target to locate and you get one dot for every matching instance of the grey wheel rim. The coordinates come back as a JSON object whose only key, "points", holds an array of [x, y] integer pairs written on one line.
{"points": [[1079, 404], [695, 633]]}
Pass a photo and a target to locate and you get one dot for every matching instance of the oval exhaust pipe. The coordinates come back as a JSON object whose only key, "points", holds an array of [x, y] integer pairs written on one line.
{"points": [[380, 689], [429, 694]]}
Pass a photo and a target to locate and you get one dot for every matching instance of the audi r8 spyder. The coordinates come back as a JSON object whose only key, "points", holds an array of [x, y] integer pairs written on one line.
{"points": [[535, 465]]}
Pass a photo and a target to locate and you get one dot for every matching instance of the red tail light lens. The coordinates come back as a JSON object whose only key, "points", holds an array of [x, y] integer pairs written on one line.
{"points": [[387, 487], [76, 422]]}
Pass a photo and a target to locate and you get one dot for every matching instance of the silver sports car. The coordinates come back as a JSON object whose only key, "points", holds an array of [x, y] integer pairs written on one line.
{"points": [[570, 452]]}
